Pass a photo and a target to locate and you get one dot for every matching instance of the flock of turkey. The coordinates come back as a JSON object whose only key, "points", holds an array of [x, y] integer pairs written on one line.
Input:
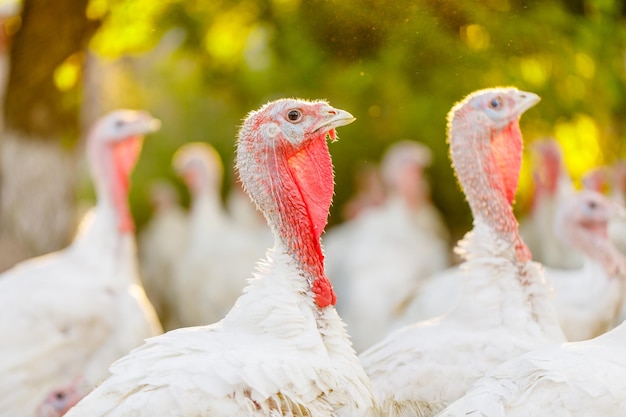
{"points": [[500, 334]]}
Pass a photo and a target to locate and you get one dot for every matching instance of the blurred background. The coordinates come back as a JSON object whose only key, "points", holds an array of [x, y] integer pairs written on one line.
{"points": [[201, 65]]}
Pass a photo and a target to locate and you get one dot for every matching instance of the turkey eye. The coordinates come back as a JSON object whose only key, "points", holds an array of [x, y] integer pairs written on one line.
{"points": [[119, 123], [294, 115], [592, 205], [495, 103]]}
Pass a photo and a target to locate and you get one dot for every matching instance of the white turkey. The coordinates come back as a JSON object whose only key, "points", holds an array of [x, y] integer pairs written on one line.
{"points": [[66, 316], [588, 299], [505, 307], [577, 379], [282, 350], [389, 248], [219, 254], [161, 244]]}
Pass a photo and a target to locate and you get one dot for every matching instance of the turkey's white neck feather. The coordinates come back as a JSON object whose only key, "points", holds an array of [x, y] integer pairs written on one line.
{"points": [[101, 243], [498, 290], [279, 303]]}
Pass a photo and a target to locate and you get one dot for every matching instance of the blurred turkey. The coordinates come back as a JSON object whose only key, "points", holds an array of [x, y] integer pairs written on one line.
{"points": [[505, 307], [282, 350], [369, 192], [219, 254], [161, 244], [552, 184], [572, 379], [68, 315], [587, 299], [611, 180], [388, 248]]}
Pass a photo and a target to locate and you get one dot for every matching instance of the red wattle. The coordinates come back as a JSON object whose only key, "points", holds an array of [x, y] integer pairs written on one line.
{"points": [[506, 149], [312, 171], [125, 155], [324, 294]]}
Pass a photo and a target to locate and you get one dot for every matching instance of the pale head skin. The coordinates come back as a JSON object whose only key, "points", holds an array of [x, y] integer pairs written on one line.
{"points": [[200, 165], [60, 400], [582, 221], [402, 169], [284, 165], [486, 151]]}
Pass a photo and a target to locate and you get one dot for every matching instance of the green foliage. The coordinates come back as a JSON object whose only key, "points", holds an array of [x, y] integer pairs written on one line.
{"points": [[397, 66]]}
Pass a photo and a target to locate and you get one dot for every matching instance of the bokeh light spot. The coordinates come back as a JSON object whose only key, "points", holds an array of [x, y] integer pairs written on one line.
{"points": [[579, 138], [67, 74], [476, 37]]}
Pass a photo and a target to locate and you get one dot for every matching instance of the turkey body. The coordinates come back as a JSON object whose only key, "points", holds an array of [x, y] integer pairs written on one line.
{"points": [[161, 244], [281, 350], [571, 380], [505, 308], [66, 316]]}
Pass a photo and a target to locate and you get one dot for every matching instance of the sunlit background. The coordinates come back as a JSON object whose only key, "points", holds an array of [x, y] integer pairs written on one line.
{"points": [[398, 66]]}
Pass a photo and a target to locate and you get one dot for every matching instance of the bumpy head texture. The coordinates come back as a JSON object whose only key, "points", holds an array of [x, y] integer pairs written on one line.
{"points": [[284, 164]]}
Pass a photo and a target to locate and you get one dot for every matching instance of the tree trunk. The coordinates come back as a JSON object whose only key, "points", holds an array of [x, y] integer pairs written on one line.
{"points": [[41, 129]]}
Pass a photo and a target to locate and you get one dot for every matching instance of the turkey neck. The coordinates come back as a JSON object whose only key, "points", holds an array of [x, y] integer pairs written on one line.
{"points": [[487, 164], [111, 164], [293, 188], [207, 209]]}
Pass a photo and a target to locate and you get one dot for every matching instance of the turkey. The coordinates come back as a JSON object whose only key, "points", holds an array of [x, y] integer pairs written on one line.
{"points": [[612, 180], [505, 307], [218, 254], [369, 192], [160, 245], [587, 299], [573, 379], [552, 185], [402, 170], [68, 315], [282, 350], [388, 249], [62, 398]]}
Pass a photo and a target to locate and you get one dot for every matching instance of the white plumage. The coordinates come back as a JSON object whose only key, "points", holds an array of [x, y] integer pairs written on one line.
{"points": [[66, 316], [579, 379], [384, 252], [161, 244], [282, 350], [219, 253], [588, 299], [505, 307]]}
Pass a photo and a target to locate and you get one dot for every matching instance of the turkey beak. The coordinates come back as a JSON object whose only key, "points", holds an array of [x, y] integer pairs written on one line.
{"points": [[152, 125], [333, 119], [525, 100], [148, 123]]}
